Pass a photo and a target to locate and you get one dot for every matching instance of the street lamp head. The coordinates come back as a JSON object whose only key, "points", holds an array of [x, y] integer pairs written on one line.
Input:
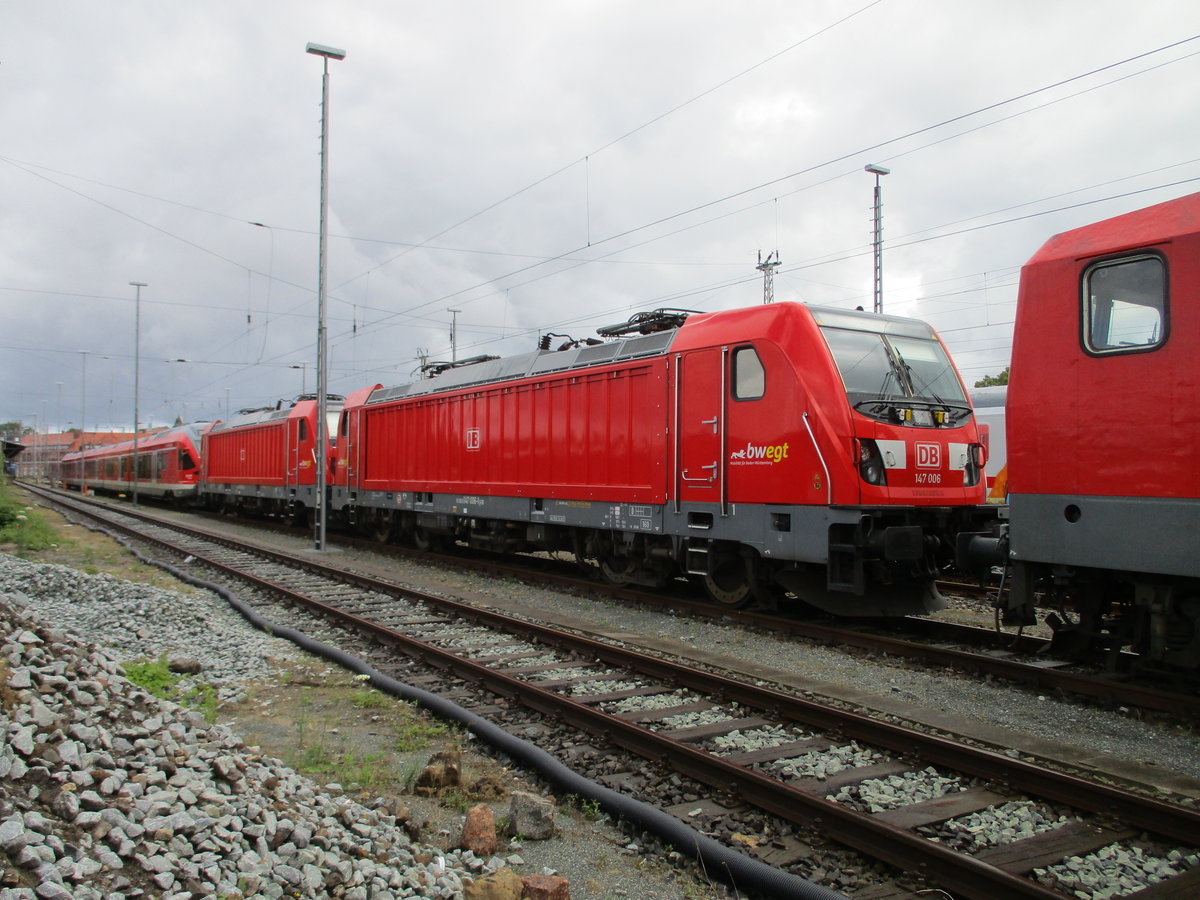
{"points": [[876, 170], [328, 52]]}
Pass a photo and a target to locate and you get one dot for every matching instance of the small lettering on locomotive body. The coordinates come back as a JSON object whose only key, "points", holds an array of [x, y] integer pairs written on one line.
{"points": [[760, 454]]}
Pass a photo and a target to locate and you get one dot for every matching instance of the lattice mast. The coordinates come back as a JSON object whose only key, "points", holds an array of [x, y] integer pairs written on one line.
{"points": [[768, 267]]}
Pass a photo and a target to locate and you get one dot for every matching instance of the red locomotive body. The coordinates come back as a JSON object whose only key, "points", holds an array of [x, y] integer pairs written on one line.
{"points": [[1104, 488], [264, 460], [167, 464], [778, 447], [594, 436]]}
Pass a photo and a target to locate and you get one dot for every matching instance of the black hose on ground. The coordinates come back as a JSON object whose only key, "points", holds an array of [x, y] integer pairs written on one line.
{"points": [[718, 860]]}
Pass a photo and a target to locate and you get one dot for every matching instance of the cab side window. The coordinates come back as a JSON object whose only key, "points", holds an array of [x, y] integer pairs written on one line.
{"points": [[1125, 305], [749, 377]]}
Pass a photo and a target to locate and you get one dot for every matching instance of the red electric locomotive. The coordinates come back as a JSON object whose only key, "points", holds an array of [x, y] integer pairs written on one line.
{"points": [[780, 448], [167, 464], [263, 461], [1103, 423]]}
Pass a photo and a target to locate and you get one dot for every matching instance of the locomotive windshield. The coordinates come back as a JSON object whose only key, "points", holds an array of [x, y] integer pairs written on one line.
{"points": [[884, 368]]}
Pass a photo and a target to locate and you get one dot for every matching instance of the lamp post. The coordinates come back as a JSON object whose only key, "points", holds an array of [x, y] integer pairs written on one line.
{"points": [[270, 269], [83, 423], [454, 334], [303, 367], [326, 54], [137, 368], [59, 426], [45, 454], [878, 242]]}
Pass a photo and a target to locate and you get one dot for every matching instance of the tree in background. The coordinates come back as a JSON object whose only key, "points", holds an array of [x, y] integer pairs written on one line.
{"points": [[994, 380]]}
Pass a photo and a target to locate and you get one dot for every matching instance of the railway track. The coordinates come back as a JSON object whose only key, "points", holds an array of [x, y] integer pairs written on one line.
{"points": [[823, 769], [1010, 656]]}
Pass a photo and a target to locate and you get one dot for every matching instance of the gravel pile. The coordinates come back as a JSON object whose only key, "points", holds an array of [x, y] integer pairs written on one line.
{"points": [[139, 620], [108, 792]]}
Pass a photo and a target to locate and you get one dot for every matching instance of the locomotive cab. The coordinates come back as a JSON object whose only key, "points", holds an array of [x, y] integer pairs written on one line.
{"points": [[828, 453], [912, 422]]}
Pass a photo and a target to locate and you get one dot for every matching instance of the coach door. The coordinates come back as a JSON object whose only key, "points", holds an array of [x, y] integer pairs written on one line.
{"points": [[700, 409]]}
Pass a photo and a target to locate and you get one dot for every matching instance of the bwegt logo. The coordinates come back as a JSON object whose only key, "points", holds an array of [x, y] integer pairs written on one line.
{"points": [[770, 452]]}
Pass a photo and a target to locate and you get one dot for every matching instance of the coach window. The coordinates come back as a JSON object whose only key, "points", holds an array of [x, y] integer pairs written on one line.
{"points": [[1125, 305], [749, 378]]}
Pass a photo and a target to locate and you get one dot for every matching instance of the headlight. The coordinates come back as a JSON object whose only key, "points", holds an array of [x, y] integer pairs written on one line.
{"points": [[870, 462]]}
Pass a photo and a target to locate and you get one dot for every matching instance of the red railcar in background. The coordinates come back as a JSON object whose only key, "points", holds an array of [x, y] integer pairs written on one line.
{"points": [[1103, 422], [264, 460], [167, 464], [826, 453]]}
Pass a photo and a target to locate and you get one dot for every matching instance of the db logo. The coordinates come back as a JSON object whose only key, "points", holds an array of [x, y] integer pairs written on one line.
{"points": [[474, 440], [929, 456]]}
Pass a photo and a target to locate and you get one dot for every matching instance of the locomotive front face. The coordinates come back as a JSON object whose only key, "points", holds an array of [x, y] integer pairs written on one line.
{"points": [[914, 437]]}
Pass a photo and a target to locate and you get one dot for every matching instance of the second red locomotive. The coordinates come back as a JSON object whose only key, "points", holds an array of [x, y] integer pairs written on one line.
{"points": [[826, 453], [264, 460]]}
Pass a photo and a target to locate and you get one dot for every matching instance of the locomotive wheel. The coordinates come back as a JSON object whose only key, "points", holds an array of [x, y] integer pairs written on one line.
{"points": [[734, 582], [428, 541], [617, 570], [729, 587], [381, 530]]}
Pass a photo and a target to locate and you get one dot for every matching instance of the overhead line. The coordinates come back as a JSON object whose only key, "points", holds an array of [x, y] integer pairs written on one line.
{"points": [[809, 169], [614, 141]]}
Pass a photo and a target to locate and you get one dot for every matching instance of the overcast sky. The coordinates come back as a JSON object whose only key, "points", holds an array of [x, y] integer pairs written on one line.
{"points": [[540, 166]]}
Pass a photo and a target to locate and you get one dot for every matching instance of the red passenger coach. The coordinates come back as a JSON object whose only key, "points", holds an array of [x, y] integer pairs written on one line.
{"points": [[264, 460], [167, 464], [1103, 426], [773, 449]]}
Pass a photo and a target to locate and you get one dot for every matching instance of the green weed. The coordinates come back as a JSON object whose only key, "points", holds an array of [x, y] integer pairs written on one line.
{"points": [[154, 677], [417, 732]]}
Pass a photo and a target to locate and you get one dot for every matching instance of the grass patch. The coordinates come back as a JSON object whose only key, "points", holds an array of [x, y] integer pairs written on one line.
{"points": [[415, 731], [360, 751], [154, 677], [23, 525], [352, 770]]}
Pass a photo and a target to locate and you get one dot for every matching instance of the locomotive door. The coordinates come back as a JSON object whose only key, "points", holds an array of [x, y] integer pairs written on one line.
{"points": [[700, 409], [295, 438]]}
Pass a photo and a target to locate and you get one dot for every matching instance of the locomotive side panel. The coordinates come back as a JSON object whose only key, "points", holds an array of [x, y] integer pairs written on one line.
{"points": [[254, 455], [598, 436]]}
